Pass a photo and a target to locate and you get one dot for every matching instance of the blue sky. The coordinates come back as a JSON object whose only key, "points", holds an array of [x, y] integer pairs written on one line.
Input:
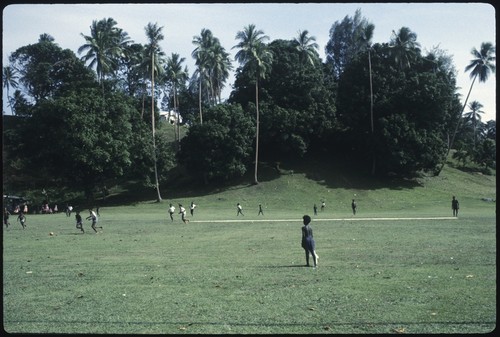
{"points": [[453, 27]]}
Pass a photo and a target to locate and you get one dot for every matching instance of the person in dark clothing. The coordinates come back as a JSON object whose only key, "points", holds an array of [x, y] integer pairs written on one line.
{"points": [[315, 209], [79, 222], [260, 210], [191, 208], [308, 242], [354, 206], [22, 219], [455, 206], [6, 215]]}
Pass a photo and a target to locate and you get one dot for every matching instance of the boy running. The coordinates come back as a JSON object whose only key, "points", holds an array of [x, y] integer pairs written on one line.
{"points": [[239, 209], [22, 219], [171, 211], [79, 224], [6, 215], [183, 214], [94, 219], [260, 210]]}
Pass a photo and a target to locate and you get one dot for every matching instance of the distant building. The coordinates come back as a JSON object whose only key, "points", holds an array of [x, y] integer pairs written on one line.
{"points": [[171, 116]]}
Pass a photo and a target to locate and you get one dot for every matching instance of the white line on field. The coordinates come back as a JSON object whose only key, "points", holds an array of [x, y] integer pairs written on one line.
{"points": [[340, 219]]}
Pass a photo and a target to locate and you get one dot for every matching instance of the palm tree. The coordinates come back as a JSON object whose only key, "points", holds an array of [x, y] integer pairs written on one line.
{"points": [[220, 65], [362, 37], [176, 75], [254, 54], [154, 35], [45, 38], [203, 44], [104, 46], [306, 46], [474, 116], [404, 47], [481, 67], [9, 78]]}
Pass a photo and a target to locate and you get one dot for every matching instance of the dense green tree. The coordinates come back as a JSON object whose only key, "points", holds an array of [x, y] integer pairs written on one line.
{"points": [[220, 148], [491, 129], [485, 153], [298, 109], [254, 54], [130, 74], [45, 68], [412, 106], [297, 105], [344, 42], [79, 139]]}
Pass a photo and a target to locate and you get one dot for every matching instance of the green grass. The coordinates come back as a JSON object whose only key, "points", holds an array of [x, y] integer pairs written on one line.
{"points": [[147, 275]]}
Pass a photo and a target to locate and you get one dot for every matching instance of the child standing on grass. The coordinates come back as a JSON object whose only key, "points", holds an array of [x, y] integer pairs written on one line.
{"points": [[22, 219], [308, 242], [454, 206], [79, 224], [192, 207]]}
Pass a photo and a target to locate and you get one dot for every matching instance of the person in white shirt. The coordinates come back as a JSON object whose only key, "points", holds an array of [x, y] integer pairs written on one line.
{"points": [[171, 211], [183, 214], [93, 217], [239, 210]]}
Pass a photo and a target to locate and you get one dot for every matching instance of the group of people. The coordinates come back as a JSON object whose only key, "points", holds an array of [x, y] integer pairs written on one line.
{"points": [[21, 218], [354, 207], [182, 211], [93, 216], [309, 245]]}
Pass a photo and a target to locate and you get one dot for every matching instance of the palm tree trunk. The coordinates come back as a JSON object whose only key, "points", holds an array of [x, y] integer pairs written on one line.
{"points": [[371, 111], [199, 100], [450, 144], [176, 108], [153, 127], [256, 181]]}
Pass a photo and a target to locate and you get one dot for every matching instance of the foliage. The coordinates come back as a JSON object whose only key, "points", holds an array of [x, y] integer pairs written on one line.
{"points": [[297, 106], [346, 41], [220, 148], [80, 140], [45, 68], [410, 108]]}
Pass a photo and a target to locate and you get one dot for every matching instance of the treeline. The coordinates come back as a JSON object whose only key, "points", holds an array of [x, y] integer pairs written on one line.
{"points": [[387, 107]]}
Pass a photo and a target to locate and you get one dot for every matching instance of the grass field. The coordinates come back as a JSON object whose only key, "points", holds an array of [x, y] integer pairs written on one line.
{"points": [[144, 274]]}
